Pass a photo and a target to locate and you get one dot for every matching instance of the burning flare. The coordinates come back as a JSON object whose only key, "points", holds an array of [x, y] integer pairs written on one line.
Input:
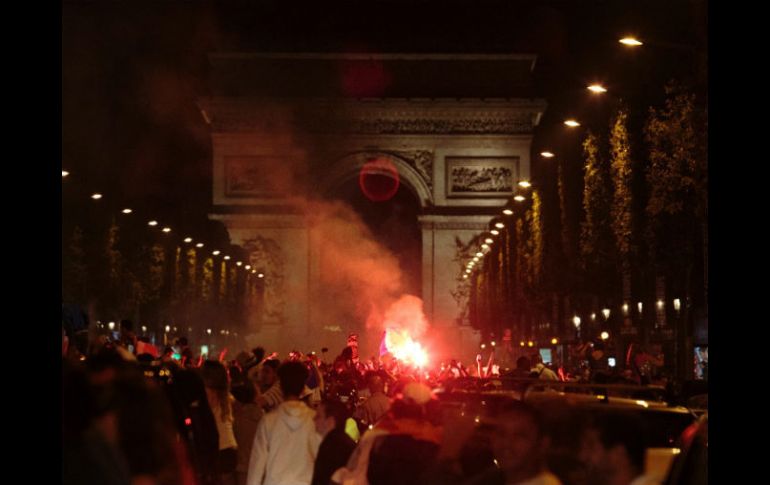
{"points": [[404, 348]]}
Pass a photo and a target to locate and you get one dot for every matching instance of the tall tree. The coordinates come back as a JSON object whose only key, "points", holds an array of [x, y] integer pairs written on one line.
{"points": [[596, 243], [622, 209], [74, 270]]}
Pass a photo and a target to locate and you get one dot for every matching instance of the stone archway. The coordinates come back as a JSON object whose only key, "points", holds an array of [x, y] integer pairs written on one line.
{"points": [[349, 167]]}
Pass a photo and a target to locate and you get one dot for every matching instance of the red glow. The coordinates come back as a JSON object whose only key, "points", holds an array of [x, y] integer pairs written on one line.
{"points": [[404, 348], [187, 421], [379, 180]]}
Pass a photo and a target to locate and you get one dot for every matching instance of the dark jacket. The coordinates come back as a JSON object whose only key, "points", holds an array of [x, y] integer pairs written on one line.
{"points": [[333, 453]]}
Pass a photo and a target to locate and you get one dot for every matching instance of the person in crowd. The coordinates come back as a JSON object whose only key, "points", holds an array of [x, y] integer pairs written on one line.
{"points": [[286, 443], [217, 384], [376, 405], [523, 368], [541, 371], [271, 395], [195, 422], [519, 444], [246, 416], [253, 365], [613, 449], [337, 446]]}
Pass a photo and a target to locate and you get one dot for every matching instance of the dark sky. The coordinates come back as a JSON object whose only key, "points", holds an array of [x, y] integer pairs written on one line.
{"points": [[133, 70]]}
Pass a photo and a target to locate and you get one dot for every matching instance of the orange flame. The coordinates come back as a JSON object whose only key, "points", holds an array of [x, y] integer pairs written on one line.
{"points": [[404, 348]]}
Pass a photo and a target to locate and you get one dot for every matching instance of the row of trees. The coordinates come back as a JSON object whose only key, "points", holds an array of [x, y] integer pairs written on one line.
{"points": [[119, 272], [636, 232]]}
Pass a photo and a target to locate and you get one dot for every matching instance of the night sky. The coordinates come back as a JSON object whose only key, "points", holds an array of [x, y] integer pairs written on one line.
{"points": [[131, 73]]}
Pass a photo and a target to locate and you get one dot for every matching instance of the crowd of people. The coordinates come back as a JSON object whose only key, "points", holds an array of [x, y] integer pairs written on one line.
{"points": [[142, 419]]}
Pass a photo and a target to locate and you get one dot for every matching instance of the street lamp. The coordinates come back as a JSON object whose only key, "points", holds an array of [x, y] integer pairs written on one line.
{"points": [[525, 184], [625, 308], [571, 123], [547, 154], [519, 198], [166, 229], [508, 212], [152, 223], [630, 41], [96, 196], [111, 325], [677, 304], [188, 240], [499, 225], [127, 211], [604, 335], [494, 232], [64, 173], [606, 313], [597, 89]]}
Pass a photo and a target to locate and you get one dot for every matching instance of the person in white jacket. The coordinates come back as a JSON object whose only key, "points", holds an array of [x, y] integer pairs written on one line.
{"points": [[286, 443]]}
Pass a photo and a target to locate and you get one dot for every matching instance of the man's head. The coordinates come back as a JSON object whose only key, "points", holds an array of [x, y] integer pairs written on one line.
{"points": [[518, 442], [375, 384], [613, 447], [269, 373], [523, 363], [330, 415], [292, 376], [259, 353]]}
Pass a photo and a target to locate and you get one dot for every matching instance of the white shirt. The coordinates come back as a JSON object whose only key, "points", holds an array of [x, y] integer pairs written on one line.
{"points": [[285, 447]]}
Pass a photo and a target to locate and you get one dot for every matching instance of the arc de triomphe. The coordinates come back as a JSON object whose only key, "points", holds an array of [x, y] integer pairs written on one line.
{"points": [[458, 129]]}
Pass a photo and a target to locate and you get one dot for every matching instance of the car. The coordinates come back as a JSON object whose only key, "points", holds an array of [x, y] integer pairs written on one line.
{"points": [[690, 467], [565, 406]]}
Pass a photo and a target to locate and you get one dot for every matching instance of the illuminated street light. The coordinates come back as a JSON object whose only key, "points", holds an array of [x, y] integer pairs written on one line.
{"points": [[475, 259], [215, 252], [494, 232], [260, 275], [606, 313], [576, 321], [152, 223], [144, 328], [605, 335], [521, 343], [111, 325], [485, 246], [96, 196], [639, 306], [499, 225], [677, 304], [625, 308], [483, 346], [630, 42], [127, 211], [248, 267], [530, 344], [465, 276], [492, 343], [188, 240], [166, 229], [660, 304], [168, 329], [489, 240], [208, 331], [479, 254], [525, 184], [571, 123], [597, 88], [519, 198], [593, 316], [64, 173], [227, 258], [238, 263], [547, 154], [554, 341], [199, 245], [508, 212]]}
